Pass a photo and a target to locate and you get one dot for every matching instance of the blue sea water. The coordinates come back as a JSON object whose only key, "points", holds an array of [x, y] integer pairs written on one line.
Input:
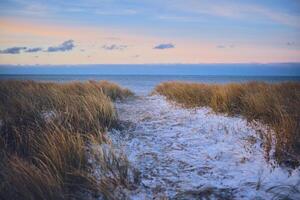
{"points": [[144, 84]]}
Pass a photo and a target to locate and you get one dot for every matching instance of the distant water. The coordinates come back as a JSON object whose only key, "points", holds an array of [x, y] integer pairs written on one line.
{"points": [[143, 84]]}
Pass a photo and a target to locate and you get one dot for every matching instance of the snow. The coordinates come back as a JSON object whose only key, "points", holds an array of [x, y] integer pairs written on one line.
{"points": [[195, 152], [48, 116]]}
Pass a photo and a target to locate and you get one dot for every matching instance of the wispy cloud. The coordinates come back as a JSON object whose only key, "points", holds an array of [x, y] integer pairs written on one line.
{"points": [[112, 38], [65, 46], [33, 50], [12, 50], [290, 43], [237, 10], [222, 46], [114, 47], [164, 46], [116, 12], [136, 56], [178, 18], [36, 9], [272, 15], [177, 10]]}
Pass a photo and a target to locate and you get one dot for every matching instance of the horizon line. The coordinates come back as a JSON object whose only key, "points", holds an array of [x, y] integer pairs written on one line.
{"points": [[227, 75], [217, 63]]}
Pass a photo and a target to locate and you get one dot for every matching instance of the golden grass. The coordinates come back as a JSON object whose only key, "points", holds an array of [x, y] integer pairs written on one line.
{"points": [[114, 91], [46, 133], [276, 105]]}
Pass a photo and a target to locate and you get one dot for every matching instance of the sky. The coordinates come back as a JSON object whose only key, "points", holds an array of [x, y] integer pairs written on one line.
{"points": [[56, 32]]}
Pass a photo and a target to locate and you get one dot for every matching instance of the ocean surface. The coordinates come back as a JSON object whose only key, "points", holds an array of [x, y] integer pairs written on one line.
{"points": [[144, 84]]}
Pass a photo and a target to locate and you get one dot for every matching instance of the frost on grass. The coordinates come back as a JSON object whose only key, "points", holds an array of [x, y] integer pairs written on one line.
{"points": [[195, 153]]}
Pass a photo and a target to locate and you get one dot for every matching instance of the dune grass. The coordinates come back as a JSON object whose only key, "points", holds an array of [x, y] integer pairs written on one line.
{"points": [[47, 132], [114, 91], [276, 105]]}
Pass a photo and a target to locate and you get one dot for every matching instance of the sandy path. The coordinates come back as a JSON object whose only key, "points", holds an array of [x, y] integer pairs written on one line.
{"points": [[188, 154]]}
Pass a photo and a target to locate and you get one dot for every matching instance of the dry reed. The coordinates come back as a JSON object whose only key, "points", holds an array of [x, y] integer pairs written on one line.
{"points": [[47, 130]]}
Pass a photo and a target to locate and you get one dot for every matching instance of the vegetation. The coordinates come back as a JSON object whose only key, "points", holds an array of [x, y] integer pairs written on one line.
{"points": [[276, 105], [53, 135], [114, 91]]}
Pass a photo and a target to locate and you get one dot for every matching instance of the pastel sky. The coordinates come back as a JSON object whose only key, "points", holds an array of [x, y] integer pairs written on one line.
{"points": [[149, 31]]}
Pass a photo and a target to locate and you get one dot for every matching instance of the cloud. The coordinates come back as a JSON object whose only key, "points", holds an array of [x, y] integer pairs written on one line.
{"points": [[12, 50], [65, 46], [114, 47], [179, 18], [112, 38], [116, 12], [221, 46], [164, 46], [33, 50], [290, 43], [242, 11]]}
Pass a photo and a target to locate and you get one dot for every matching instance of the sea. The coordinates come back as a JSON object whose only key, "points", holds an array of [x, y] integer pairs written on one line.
{"points": [[144, 84]]}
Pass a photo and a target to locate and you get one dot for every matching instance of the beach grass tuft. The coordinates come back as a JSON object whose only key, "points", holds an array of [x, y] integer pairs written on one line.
{"points": [[48, 131]]}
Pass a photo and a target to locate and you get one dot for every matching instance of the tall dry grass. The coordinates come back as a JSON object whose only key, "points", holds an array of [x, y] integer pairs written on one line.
{"points": [[113, 90], [276, 105], [46, 134]]}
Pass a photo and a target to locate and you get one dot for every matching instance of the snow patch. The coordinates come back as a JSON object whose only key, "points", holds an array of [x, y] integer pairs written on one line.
{"points": [[193, 152]]}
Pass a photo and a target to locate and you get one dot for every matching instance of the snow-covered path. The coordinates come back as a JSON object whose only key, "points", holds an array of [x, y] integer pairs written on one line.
{"points": [[188, 154]]}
